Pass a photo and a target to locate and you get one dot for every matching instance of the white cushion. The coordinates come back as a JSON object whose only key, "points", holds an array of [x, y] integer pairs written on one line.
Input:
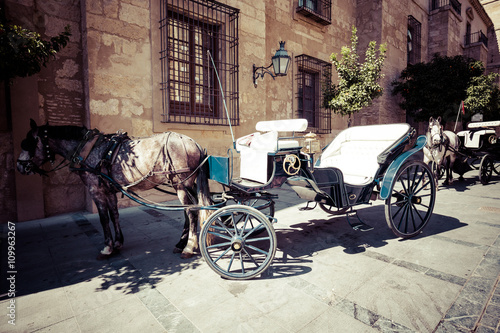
{"points": [[355, 150], [284, 125], [288, 144]]}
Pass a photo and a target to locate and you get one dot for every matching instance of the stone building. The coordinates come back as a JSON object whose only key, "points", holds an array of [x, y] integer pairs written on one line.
{"points": [[144, 66]]}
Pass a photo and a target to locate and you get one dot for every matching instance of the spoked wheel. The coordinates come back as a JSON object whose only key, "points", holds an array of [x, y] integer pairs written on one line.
{"points": [[411, 203], [263, 204], [332, 209], [496, 167], [236, 251], [486, 169]]}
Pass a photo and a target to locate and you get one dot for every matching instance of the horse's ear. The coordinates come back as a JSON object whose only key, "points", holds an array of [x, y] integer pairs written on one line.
{"points": [[439, 119], [33, 125], [431, 120]]}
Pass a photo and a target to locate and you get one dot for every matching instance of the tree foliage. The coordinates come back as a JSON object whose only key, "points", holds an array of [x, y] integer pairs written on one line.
{"points": [[437, 88], [358, 81], [23, 52], [483, 96]]}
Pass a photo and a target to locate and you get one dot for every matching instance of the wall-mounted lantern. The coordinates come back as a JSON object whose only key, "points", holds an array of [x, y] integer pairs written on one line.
{"points": [[280, 63]]}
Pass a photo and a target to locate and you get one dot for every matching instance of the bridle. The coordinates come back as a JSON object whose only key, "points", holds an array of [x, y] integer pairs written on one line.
{"points": [[436, 145], [29, 165]]}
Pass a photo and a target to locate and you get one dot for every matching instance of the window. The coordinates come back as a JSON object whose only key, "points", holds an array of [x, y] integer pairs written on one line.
{"points": [[413, 39], [455, 4], [468, 32], [318, 10], [311, 75], [194, 32]]}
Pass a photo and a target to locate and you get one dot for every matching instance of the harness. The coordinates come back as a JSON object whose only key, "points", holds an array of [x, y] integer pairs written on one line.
{"points": [[82, 151], [94, 138]]}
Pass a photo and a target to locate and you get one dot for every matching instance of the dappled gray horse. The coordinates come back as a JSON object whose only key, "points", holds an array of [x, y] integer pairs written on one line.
{"points": [[135, 164], [440, 149]]}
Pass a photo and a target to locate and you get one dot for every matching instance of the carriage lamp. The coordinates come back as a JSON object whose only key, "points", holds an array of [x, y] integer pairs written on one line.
{"points": [[311, 144], [280, 63]]}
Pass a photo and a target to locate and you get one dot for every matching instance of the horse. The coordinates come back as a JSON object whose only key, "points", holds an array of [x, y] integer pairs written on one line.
{"points": [[441, 148], [134, 164]]}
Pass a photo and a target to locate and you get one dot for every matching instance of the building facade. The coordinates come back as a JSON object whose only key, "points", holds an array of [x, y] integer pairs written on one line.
{"points": [[149, 66]]}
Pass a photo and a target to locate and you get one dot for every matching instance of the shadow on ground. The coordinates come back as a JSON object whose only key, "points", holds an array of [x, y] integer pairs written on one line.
{"points": [[63, 252]]}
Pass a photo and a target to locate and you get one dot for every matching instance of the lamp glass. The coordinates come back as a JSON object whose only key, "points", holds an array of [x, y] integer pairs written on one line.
{"points": [[281, 60]]}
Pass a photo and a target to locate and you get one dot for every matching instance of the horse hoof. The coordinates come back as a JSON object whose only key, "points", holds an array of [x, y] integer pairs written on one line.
{"points": [[186, 255], [101, 256], [177, 250]]}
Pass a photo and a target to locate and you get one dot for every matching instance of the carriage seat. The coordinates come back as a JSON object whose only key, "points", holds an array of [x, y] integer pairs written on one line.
{"points": [[255, 148], [356, 150]]}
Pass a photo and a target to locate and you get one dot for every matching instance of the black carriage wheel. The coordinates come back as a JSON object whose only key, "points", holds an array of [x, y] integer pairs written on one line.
{"points": [[332, 209], [410, 205], [496, 167], [485, 169], [236, 252]]}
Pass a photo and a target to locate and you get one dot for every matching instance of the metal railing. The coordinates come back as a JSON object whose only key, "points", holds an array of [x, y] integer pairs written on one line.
{"points": [[455, 4], [476, 37], [318, 10]]}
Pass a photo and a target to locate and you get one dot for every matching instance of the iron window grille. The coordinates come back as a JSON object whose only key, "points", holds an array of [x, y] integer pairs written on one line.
{"points": [[455, 4], [414, 41], [191, 31], [318, 10], [312, 75]]}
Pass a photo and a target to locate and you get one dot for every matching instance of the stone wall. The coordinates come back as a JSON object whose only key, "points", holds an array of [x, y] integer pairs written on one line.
{"points": [[119, 65], [8, 208], [61, 99]]}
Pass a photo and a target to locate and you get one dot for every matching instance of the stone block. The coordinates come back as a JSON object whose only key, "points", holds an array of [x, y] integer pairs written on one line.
{"points": [[134, 15]]}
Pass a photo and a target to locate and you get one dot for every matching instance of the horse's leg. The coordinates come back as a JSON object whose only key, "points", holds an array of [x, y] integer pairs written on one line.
{"points": [[104, 218], [184, 237], [114, 215], [452, 162], [191, 220], [449, 177], [427, 161], [100, 197]]}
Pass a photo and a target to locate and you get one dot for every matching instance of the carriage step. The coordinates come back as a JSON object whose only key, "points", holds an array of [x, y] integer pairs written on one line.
{"points": [[359, 225]]}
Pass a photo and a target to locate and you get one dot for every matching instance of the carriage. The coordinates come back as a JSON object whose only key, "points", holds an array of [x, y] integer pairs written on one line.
{"points": [[237, 238], [479, 150], [361, 164]]}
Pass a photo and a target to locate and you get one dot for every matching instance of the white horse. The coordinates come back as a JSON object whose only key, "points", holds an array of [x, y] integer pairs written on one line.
{"points": [[440, 150]]}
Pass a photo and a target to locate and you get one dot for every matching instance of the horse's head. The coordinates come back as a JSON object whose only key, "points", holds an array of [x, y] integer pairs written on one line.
{"points": [[35, 151], [435, 132]]}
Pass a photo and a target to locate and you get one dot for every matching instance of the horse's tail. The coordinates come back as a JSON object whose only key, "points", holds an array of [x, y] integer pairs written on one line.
{"points": [[203, 191]]}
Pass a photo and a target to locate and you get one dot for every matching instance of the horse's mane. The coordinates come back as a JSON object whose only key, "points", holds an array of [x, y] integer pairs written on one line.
{"points": [[65, 132]]}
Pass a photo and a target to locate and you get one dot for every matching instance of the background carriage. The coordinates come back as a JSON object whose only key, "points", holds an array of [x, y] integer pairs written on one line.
{"points": [[479, 150], [361, 164]]}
